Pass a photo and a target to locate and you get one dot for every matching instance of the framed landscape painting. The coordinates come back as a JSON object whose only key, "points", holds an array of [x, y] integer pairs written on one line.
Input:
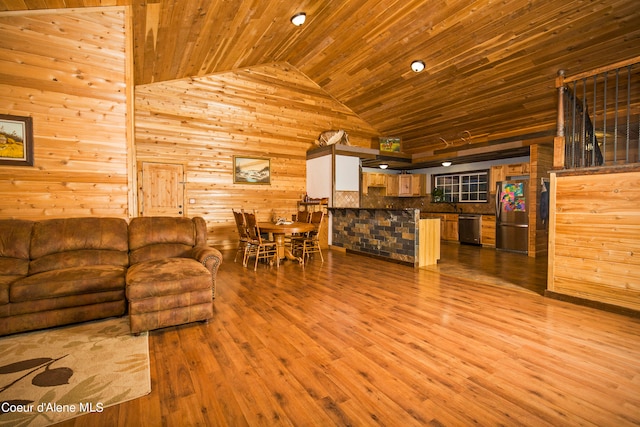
{"points": [[16, 140], [251, 170]]}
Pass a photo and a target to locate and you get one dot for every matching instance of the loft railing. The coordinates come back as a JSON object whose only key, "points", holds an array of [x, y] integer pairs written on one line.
{"points": [[599, 117]]}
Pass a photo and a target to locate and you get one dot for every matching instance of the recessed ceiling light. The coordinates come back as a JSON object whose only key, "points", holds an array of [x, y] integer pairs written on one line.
{"points": [[417, 66], [298, 19], [446, 164], [383, 166]]}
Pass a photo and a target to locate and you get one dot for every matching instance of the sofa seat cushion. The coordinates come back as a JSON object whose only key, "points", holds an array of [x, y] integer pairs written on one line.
{"points": [[68, 281], [159, 251], [168, 276], [14, 266]]}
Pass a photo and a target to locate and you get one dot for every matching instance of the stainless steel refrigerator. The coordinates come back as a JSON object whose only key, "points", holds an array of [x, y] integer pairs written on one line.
{"points": [[512, 215]]}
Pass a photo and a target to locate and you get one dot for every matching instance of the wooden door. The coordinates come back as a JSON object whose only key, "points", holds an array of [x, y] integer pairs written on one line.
{"points": [[162, 189]]}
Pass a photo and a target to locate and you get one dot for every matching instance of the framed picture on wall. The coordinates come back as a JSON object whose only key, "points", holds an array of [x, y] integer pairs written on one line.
{"points": [[16, 140], [251, 170], [390, 144]]}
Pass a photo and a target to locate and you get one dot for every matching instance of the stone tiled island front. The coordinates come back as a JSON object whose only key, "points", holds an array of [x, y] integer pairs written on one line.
{"points": [[391, 234]]}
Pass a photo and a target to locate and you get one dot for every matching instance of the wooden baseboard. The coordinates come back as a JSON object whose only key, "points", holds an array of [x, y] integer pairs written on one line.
{"points": [[593, 304]]}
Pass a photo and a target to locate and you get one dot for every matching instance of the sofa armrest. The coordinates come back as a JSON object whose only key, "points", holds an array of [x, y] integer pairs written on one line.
{"points": [[211, 258]]}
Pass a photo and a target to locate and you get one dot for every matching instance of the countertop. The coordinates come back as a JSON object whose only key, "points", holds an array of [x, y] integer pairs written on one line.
{"points": [[427, 214], [423, 214], [376, 209]]}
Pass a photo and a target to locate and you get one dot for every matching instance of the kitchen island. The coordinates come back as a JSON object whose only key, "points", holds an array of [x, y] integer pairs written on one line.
{"points": [[390, 234]]}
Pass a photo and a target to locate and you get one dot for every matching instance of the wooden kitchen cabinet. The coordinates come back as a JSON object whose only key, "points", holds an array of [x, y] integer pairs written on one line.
{"points": [[376, 179], [419, 184], [449, 228], [448, 225], [370, 179], [393, 185], [518, 169], [403, 185], [498, 173], [488, 231], [412, 185], [503, 172]]}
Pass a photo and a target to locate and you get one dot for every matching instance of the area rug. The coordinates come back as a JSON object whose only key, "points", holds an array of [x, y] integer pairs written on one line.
{"points": [[56, 374]]}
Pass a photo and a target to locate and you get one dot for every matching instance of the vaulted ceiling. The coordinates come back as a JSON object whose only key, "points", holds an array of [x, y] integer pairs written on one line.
{"points": [[490, 65]]}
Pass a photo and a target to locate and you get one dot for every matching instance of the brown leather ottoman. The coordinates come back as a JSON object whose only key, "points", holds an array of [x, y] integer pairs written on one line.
{"points": [[168, 292]]}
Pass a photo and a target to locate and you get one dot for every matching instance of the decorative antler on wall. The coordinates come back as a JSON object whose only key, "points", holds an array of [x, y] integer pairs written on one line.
{"points": [[468, 139], [463, 140], [446, 144]]}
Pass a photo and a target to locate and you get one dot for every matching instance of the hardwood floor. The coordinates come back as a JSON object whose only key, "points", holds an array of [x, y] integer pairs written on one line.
{"points": [[493, 266], [357, 341]]}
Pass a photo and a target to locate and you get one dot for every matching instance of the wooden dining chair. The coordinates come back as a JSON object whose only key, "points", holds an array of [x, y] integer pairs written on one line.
{"points": [[243, 236], [303, 216], [310, 243], [257, 245]]}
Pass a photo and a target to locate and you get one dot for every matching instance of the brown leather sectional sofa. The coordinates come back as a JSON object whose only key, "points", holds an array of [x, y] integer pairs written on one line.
{"points": [[61, 271]]}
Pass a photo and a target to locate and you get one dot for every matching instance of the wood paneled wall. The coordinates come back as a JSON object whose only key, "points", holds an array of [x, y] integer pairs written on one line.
{"points": [[540, 163], [595, 237], [68, 71], [271, 111]]}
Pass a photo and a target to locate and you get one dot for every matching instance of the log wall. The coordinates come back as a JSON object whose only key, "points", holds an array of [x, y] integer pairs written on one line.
{"points": [[595, 238], [68, 71], [271, 111]]}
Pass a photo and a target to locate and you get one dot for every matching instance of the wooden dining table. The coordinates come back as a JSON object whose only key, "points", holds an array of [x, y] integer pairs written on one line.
{"points": [[279, 232]]}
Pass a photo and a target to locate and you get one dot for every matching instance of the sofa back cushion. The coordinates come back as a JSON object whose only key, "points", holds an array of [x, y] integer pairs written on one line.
{"points": [[78, 242], [152, 238], [15, 239]]}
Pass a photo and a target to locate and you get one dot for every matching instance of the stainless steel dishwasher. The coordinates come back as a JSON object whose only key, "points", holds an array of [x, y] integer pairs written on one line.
{"points": [[469, 228]]}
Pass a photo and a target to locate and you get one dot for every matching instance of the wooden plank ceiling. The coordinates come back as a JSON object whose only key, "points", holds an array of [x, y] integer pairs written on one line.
{"points": [[490, 66]]}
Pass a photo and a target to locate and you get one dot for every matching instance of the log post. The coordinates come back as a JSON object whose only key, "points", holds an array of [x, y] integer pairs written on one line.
{"points": [[559, 140]]}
